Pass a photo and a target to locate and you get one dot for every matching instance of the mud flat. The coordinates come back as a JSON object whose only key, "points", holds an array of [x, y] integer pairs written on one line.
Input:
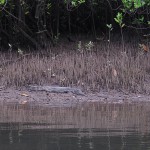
{"points": [[66, 98]]}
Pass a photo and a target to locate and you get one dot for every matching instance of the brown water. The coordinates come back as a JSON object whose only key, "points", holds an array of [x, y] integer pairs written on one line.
{"points": [[97, 126]]}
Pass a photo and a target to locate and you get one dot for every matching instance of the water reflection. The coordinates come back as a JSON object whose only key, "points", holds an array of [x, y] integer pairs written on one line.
{"points": [[85, 126]]}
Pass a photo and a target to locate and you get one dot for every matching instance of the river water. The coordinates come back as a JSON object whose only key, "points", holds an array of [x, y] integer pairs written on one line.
{"points": [[92, 125]]}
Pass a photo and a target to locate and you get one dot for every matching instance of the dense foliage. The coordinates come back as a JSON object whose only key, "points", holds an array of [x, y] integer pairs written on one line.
{"points": [[26, 21]]}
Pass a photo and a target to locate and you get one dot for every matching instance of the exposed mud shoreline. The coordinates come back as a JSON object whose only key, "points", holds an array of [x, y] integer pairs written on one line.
{"points": [[24, 97]]}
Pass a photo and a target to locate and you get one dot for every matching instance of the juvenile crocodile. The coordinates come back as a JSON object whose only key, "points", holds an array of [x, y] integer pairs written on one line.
{"points": [[55, 89]]}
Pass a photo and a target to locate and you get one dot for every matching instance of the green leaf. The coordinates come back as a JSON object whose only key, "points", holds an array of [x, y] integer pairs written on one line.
{"points": [[122, 25], [73, 3], [27, 12], [138, 3], [119, 18], [109, 26], [116, 20], [2, 2], [141, 19]]}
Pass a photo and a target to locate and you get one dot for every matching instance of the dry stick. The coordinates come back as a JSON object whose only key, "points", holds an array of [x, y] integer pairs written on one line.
{"points": [[122, 39]]}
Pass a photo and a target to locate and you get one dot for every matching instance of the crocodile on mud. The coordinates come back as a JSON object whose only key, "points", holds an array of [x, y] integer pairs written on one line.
{"points": [[55, 89]]}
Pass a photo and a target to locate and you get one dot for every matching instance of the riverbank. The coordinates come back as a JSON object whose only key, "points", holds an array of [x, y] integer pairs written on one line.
{"points": [[87, 65], [93, 67], [25, 97]]}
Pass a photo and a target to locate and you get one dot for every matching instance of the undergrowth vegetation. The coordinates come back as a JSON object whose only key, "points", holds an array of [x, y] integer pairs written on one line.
{"points": [[91, 68]]}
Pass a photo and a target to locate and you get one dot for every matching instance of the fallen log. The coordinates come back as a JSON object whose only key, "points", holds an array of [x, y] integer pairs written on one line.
{"points": [[55, 89]]}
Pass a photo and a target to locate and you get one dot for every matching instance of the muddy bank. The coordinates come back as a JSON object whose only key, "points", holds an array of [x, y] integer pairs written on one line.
{"points": [[44, 98]]}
